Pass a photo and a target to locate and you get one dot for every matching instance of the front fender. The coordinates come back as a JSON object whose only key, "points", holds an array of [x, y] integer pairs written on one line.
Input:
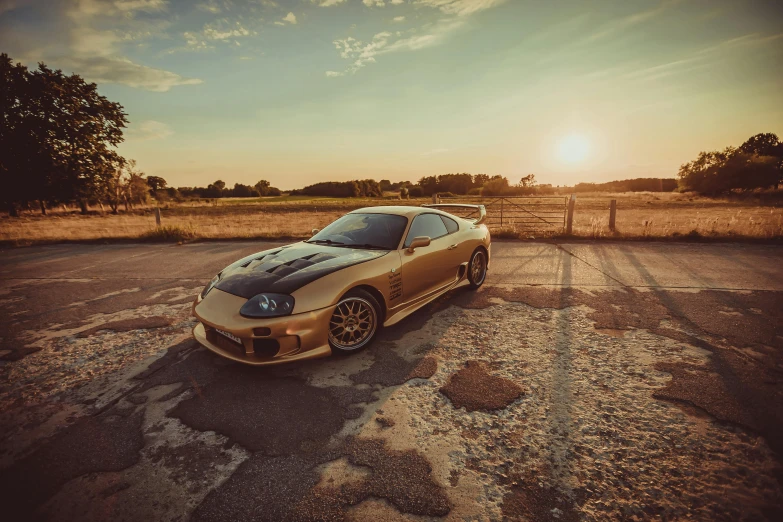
{"points": [[383, 274]]}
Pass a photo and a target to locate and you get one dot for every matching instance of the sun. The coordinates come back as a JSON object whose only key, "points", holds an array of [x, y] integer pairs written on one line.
{"points": [[573, 148]]}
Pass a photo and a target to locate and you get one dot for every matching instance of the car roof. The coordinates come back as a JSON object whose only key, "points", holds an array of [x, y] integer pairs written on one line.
{"points": [[396, 210]]}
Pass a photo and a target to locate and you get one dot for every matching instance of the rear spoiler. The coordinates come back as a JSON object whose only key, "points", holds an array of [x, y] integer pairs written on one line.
{"points": [[482, 212]]}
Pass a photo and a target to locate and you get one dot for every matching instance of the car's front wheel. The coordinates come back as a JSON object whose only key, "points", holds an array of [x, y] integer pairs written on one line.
{"points": [[354, 323], [477, 268]]}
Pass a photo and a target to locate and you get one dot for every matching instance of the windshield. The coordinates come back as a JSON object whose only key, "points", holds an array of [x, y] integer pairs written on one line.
{"points": [[382, 231]]}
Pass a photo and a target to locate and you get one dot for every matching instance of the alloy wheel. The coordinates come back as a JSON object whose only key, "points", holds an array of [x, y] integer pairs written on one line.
{"points": [[353, 324]]}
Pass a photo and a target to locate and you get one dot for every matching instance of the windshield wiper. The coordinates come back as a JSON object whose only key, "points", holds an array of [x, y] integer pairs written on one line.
{"points": [[325, 242], [368, 245]]}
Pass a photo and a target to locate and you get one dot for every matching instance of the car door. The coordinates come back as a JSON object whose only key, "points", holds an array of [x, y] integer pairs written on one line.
{"points": [[427, 268]]}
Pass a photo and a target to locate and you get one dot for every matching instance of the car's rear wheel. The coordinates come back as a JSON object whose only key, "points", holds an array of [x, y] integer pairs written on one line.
{"points": [[477, 268], [354, 323]]}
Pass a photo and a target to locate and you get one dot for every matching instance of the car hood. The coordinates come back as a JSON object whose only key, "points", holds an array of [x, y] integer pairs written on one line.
{"points": [[286, 269]]}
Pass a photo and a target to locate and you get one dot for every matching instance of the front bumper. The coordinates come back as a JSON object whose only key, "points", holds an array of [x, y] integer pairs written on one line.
{"points": [[263, 342]]}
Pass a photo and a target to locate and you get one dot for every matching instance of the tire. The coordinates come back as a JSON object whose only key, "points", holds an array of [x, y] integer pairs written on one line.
{"points": [[477, 268], [356, 308]]}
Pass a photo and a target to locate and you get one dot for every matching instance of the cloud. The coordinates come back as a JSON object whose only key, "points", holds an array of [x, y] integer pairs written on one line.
{"points": [[149, 130], [290, 18], [86, 37], [361, 53], [115, 69], [334, 74], [327, 3], [376, 3], [623, 24], [223, 30], [140, 5], [210, 7], [460, 7]]}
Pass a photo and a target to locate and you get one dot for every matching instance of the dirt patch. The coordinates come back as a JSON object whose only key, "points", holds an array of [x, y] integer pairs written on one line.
{"points": [[401, 477], [474, 388], [538, 504], [385, 422], [126, 325], [105, 443], [425, 369], [263, 489]]}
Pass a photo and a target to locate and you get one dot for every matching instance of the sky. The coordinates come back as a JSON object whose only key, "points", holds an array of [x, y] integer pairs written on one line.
{"points": [[302, 91]]}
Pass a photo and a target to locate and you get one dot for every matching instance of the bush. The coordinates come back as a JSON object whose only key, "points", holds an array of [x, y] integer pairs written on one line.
{"points": [[416, 192], [495, 187], [342, 189], [169, 233], [476, 191]]}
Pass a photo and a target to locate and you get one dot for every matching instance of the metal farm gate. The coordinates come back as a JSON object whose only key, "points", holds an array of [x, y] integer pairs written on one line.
{"points": [[520, 213]]}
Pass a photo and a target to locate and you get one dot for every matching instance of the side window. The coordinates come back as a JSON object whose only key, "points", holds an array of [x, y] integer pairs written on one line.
{"points": [[451, 225], [426, 225]]}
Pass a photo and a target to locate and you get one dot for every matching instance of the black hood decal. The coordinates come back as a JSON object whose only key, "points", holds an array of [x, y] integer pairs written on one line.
{"points": [[285, 270]]}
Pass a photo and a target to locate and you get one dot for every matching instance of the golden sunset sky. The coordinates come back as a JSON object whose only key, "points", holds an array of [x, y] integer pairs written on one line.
{"points": [[302, 91]]}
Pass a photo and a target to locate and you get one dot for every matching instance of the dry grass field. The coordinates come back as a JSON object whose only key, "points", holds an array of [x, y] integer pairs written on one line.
{"points": [[639, 215]]}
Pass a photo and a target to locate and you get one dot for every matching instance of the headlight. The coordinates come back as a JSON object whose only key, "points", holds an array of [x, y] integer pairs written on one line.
{"points": [[210, 285], [268, 305]]}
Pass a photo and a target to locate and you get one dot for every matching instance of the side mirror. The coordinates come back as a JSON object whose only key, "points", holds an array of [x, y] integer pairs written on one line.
{"points": [[315, 231], [419, 242]]}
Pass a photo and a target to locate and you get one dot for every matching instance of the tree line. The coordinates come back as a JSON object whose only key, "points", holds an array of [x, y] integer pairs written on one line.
{"points": [[756, 164], [57, 142], [214, 190], [630, 185]]}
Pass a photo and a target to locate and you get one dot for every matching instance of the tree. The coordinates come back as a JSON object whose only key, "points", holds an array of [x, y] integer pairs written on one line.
{"points": [[527, 181], [764, 144], [264, 189], [156, 183], [496, 186], [731, 169], [243, 191], [57, 134]]}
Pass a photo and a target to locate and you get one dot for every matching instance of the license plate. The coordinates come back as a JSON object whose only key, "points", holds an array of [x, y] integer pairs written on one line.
{"points": [[229, 335]]}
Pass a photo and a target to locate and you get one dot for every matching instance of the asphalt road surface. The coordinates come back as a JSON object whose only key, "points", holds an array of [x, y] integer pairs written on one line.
{"points": [[584, 381]]}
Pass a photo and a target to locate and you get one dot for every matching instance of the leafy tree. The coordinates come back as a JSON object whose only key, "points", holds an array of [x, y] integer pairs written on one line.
{"points": [[264, 189], [752, 166], [765, 144], [57, 134], [496, 186], [243, 191], [156, 183]]}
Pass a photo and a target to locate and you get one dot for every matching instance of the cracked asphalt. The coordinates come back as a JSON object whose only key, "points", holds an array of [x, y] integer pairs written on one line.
{"points": [[584, 381]]}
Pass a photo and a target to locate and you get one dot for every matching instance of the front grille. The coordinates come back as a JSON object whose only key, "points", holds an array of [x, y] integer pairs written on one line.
{"points": [[262, 331], [266, 347]]}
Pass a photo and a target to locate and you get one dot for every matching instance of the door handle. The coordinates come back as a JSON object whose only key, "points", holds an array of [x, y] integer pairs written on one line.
{"points": [[452, 247]]}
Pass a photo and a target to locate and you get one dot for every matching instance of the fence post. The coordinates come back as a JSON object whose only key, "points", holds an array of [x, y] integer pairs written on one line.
{"points": [[435, 198], [612, 214], [570, 217], [501, 213], [157, 216]]}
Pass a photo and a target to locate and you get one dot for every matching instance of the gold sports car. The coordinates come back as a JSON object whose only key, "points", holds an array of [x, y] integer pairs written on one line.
{"points": [[331, 293]]}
